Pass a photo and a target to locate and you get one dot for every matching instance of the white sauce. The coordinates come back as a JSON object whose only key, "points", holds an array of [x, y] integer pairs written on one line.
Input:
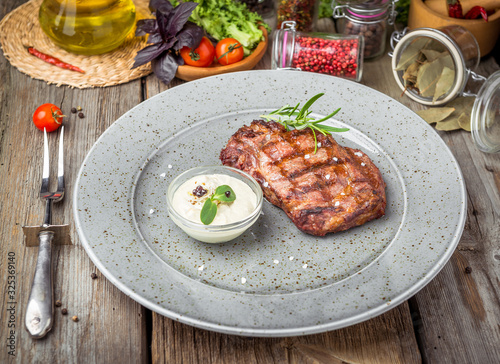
{"points": [[189, 206]]}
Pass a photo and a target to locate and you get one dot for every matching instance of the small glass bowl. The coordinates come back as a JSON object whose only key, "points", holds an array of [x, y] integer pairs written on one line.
{"points": [[214, 233]]}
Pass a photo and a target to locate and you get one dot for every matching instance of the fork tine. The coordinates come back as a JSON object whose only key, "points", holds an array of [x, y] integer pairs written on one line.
{"points": [[60, 166], [46, 171]]}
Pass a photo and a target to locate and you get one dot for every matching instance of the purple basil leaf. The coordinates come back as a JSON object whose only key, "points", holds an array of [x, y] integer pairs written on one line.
{"points": [[146, 26], [155, 38], [170, 43], [169, 32], [163, 5], [178, 58], [148, 54], [190, 36], [165, 67], [179, 16], [162, 20]]}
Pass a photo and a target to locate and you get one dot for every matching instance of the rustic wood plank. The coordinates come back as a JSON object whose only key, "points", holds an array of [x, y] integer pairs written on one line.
{"points": [[458, 313], [102, 310], [426, 316], [455, 316], [174, 342], [111, 327], [387, 338]]}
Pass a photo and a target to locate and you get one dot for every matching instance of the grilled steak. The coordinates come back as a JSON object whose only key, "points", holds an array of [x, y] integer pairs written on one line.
{"points": [[331, 190]]}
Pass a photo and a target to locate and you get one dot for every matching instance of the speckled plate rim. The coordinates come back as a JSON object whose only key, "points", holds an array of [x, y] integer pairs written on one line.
{"points": [[130, 288]]}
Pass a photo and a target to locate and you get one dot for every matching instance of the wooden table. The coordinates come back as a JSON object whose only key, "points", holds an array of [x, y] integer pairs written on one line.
{"points": [[454, 319]]}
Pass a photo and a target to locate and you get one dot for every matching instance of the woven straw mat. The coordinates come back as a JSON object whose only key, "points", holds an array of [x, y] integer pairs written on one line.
{"points": [[20, 29]]}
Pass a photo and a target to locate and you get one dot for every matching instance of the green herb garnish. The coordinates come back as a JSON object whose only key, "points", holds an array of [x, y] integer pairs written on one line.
{"points": [[222, 193], [289, 117]]}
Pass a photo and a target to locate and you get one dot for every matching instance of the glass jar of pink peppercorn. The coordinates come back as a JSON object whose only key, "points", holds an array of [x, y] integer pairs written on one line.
{"points": [[332, 54]]}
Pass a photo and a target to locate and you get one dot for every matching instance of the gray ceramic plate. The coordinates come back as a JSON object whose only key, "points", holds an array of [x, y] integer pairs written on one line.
{"points": [[273, 280]]}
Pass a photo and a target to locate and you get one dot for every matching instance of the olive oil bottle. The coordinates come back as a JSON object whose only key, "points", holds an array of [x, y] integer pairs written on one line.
{"points": [[87, 26]]}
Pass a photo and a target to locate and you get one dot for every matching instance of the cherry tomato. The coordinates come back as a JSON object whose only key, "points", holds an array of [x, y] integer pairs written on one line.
{"points": [[202, 56], [229, 51], [48, 116]]}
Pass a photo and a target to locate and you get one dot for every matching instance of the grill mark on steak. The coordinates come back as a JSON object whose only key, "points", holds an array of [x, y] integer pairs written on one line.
{"points": [[333, 190]]}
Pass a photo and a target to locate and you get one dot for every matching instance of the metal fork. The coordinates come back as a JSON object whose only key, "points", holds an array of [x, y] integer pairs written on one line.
{"points": [[40, 309]]}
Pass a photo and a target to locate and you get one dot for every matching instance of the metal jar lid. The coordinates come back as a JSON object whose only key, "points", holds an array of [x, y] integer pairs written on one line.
{"points": [[370, 11]]}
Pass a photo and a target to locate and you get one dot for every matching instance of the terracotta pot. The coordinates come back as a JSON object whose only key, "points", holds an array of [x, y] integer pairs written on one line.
{"points": [[486, 33]]}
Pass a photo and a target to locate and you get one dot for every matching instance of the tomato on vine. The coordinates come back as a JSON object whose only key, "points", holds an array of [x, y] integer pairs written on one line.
{"points": [[48, 116], [229, 51], [202, 56]]}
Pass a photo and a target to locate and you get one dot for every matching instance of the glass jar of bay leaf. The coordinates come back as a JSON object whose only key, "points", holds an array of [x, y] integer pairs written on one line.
{"points": [[87, 26], [433, 67]]}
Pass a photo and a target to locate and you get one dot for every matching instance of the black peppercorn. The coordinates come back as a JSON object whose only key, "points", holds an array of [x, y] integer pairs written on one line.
{"points": [[64, 311], [468, 270], [93, 275], [73, 110], [80, 115]]}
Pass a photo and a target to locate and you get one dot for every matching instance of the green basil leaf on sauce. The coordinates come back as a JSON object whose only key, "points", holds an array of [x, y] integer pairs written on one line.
{"points": [[208, 212], [224, 193]]}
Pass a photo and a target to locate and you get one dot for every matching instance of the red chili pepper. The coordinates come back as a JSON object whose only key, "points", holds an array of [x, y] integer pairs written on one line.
{"points": [[476, 12], [455, 9], [53, 60]]}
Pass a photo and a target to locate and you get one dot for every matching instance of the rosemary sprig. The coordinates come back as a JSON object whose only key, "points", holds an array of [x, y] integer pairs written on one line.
{"points": [[290, 118]]}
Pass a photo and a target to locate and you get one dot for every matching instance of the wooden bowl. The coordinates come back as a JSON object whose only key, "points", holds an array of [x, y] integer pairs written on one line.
{"points": [[190, 73], [486, 33]]}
